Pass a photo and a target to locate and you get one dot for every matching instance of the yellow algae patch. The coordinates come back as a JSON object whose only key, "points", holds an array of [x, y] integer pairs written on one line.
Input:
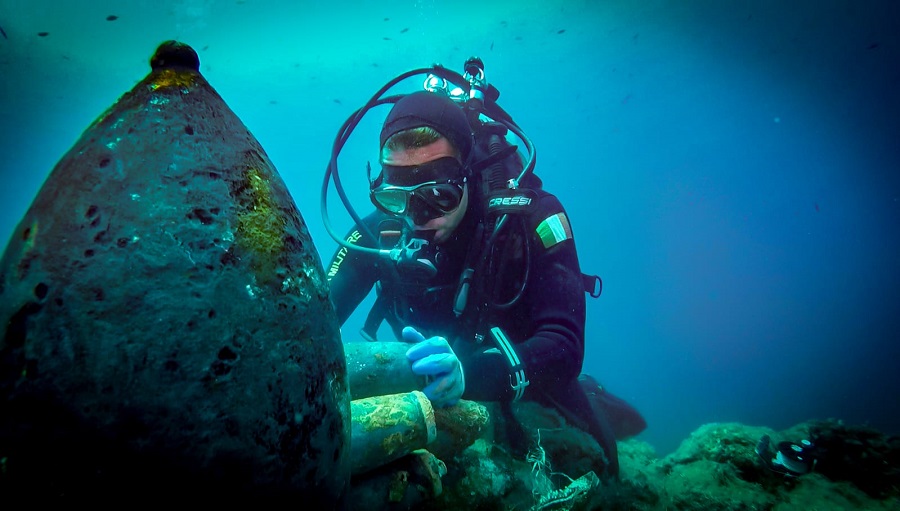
{"points": [[382, 416], [260, 224], [174, 78], [394, 443], [27, 254], [29, 236]]}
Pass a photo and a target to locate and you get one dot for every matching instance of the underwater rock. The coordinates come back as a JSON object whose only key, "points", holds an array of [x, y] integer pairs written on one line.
{"points": [[458, 427], [861, 455], [167, 321], [717, 468], [493, 473], [411, 482]]}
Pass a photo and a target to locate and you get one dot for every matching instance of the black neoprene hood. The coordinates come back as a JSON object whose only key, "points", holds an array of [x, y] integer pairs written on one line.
{"points": [[434, 110]]}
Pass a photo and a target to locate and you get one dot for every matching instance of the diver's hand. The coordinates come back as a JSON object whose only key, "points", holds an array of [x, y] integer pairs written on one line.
{"points": [[434, 358]]}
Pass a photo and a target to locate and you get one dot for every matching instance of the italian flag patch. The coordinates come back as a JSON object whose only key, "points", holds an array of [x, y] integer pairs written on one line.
{"points": [[554, 229]]}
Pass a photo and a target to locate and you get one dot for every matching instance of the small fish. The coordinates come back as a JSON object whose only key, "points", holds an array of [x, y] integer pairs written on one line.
{"points": [[43, 34], [112, 17], [3, 32], [404, 30], [561, 31], [492, 46], [870, 47], [386, 38], [337, 101]]}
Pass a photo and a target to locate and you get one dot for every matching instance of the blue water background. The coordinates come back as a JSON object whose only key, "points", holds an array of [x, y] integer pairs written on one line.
{"points": [[731, 168]]}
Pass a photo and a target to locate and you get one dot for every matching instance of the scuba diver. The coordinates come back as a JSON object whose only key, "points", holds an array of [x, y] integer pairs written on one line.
{"points": [[473, 262]]}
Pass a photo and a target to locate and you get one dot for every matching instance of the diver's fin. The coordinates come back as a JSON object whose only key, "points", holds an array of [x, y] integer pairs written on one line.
{"points": [[623, 418]]}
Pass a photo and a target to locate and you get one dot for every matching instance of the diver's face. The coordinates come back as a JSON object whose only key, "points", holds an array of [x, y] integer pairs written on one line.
{"points": [[443, 226]]}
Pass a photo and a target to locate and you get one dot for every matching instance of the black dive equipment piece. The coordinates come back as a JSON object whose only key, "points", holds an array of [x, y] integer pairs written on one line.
{"points": [[788, 458]]}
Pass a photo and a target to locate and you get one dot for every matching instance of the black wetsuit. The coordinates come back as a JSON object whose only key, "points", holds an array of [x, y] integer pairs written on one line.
{"points": [[545, 324]]}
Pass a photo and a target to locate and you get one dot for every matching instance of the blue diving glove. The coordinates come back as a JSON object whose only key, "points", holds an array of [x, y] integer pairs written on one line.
{"points": [[434, 358]]}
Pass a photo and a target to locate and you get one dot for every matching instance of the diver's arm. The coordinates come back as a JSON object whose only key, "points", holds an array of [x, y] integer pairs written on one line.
{"points": [[553, 350], [350, 275]]}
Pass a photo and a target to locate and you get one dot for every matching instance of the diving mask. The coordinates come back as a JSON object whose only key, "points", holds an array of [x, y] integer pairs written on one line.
{"points": [[419, 191]]}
